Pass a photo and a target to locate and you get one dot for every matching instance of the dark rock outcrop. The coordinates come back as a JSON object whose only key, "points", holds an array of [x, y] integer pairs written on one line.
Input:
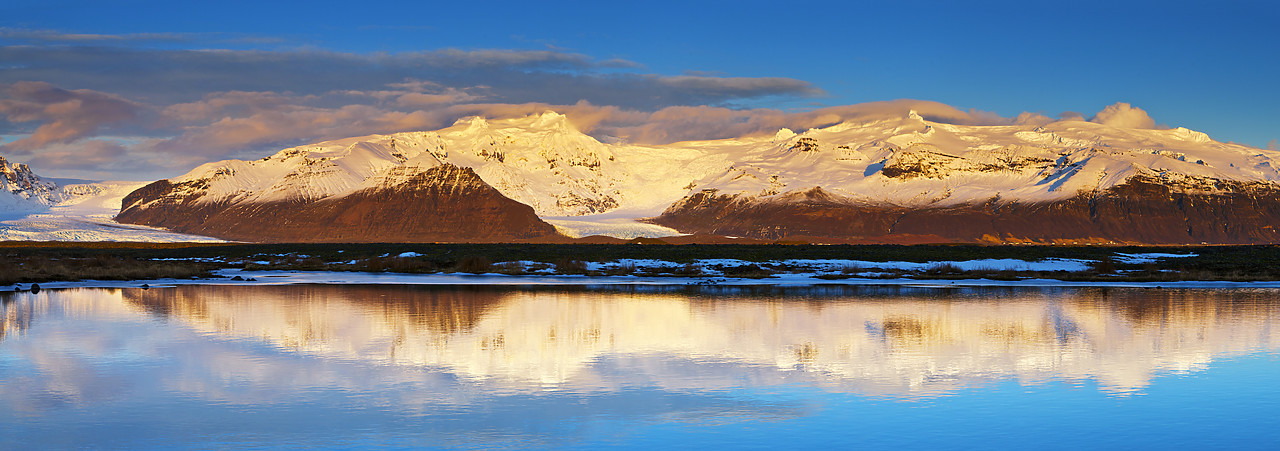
{"points": [[443, 204], [1142, 211]]}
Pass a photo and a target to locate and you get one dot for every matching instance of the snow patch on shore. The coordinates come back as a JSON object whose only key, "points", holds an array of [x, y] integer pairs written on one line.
{"points": [[1148, 257]]}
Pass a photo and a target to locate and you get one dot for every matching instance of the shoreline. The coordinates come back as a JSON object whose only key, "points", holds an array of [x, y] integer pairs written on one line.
{"points": [[646, 265], [277, 278]]}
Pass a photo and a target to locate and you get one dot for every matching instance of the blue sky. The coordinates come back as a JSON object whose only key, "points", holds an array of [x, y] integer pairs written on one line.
{"points": [[1208, 66]]}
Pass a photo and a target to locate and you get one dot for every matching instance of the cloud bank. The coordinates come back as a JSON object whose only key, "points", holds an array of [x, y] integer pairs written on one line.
{"points": [[63, 116], [148, 113], [164, 76]]}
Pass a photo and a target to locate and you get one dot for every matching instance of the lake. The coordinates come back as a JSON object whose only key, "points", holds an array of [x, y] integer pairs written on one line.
{"points": [[646, 367]]}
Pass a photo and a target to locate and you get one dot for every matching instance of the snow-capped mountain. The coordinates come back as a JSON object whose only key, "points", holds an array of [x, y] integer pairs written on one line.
{"points": [[910, 179], [914, 162], [22, 191], [858, 180], [540, 161]]}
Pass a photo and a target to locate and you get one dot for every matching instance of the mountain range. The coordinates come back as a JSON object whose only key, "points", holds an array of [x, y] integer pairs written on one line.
{"points": [[899, 179]]}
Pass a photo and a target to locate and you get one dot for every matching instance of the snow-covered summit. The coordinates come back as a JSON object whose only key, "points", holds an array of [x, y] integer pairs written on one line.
{"points": [[21, 190]]}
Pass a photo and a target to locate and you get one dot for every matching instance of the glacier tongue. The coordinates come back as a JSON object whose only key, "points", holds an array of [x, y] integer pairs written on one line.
{"points": [[83, 213], [33, 208]]}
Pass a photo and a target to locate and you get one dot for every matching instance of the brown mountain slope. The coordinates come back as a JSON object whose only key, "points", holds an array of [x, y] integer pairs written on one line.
{"points": [[445, 203], [1139, 211]]}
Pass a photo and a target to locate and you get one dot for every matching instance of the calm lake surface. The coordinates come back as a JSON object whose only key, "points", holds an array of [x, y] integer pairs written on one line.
{"points": [[415, 366]]}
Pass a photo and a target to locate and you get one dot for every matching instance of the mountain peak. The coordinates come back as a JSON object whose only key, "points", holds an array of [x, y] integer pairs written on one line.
{"points": [[472, 123], [551, 119], [21, 186], [1187, 134]]}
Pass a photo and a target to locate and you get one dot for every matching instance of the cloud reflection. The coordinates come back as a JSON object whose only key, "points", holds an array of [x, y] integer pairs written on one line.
{"points": [[905, 345]]}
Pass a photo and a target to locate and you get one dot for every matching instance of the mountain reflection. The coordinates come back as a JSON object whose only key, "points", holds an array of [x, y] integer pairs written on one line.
{"points": [[879, 341], [15, 319]]}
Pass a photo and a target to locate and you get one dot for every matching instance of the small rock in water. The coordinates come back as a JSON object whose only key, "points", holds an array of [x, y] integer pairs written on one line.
{"points": [[145, 286], [237, 278], [251, 279], [35, 288]]}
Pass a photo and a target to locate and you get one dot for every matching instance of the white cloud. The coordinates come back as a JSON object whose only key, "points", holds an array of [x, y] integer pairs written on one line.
{"points": [[1124, 115]]}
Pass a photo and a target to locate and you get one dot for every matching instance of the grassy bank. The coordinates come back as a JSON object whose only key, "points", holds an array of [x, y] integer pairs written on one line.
{"points": [[38, 262], [45, 268]]}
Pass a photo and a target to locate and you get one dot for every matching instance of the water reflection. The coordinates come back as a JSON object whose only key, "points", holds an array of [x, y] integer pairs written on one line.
{"points": [[359, 366], [905, 342]]}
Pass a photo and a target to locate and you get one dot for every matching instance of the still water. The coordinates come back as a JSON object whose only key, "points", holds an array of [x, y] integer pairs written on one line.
{"points": [[413, 366]]}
